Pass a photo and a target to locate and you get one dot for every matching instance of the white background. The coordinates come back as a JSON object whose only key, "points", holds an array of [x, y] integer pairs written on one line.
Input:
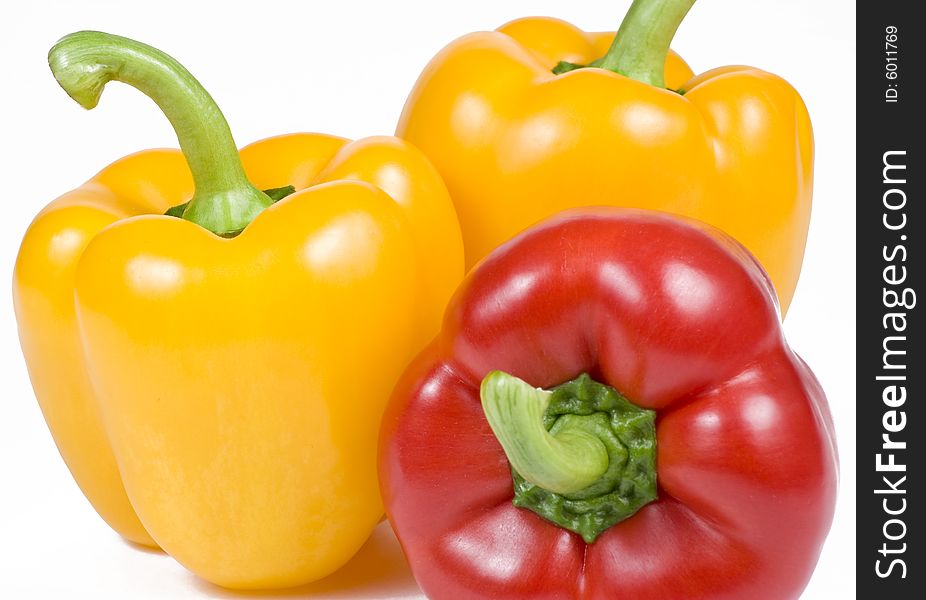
{"points": [[345, 68]]}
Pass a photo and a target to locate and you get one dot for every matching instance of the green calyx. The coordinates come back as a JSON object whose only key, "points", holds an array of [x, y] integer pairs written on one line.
{"points": [[582, 455], [225, 202], [275, 195], [640, 47]]}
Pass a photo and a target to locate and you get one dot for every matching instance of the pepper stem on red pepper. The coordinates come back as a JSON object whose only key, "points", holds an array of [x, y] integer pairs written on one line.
{"points": [[225, 201], [582, 455], [640, 47], [565, 463]]}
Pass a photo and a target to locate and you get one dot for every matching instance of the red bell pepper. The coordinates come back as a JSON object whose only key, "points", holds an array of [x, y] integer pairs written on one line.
{"points": [[535, 494]]}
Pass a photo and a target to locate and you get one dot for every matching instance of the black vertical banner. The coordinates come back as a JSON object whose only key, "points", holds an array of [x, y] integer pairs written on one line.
{"points": [[891, 268]]}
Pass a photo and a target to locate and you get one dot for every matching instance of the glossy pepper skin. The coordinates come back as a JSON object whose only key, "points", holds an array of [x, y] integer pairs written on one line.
{"points": [[516, 143], [220, 397], [680, 319]]}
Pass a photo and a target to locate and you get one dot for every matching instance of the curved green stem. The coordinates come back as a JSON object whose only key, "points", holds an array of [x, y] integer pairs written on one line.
{"points": [[640, 47], [225, 202], [582, 455], [566, 463]]}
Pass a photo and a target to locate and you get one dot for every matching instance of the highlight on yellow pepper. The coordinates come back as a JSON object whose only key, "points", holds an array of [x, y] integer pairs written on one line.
{"points": [[215, 379], [520, 129]]}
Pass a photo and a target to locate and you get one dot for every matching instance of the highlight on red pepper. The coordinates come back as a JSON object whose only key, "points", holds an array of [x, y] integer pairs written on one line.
{"points": [[611, 411]]}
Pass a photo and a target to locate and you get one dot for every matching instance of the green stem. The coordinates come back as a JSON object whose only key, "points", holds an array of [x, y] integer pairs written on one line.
{"points": [[582, 456], [564, 464], [640, 47], [225, 202]]}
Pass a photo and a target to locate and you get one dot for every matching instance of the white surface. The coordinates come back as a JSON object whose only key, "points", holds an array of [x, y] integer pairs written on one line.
{"points": [[345, 68]]}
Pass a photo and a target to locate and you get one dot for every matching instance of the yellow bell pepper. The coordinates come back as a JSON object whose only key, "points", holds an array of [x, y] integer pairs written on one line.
{"points": [[217, 394], [519, 131]]}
